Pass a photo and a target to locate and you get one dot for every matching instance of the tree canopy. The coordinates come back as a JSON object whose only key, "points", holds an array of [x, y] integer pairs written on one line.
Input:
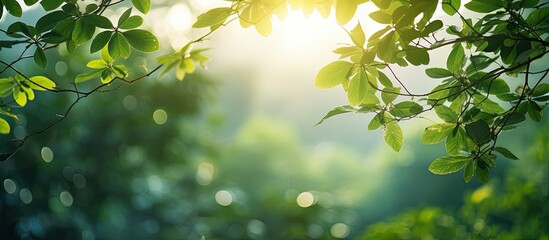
{"points": [[493, 78]]}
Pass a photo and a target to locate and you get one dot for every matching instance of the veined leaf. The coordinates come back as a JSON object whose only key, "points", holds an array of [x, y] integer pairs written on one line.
{"points": [[337, 111], [41, 83], [358, 88], [142, 40], [450, 7], [333, 74], [388, 95], [87, 76], [392, 134], [445, 113], [212, 17], [406, 109], [469, 171], [506, 153], [448, 164], [357, 35], [142, 5], [436, 132], [479, 131], [40, 57], [118, 46]]}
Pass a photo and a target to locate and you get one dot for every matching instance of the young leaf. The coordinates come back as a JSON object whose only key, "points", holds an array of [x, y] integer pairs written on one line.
{"points": [[87, 76], [392, 134], [212, 17], [381, 17], [436, 132], [19, 96], [378, 120], [333, 74], [142, 5], [448, 164], [142, 40], [345, 10], [337, 111], [506, 153], [41, 83], [357, 35], [4, 126], [358, 88]]}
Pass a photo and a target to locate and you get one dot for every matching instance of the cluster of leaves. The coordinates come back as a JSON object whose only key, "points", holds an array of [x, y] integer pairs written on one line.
{"points": [[71, 24], [474, 99]]}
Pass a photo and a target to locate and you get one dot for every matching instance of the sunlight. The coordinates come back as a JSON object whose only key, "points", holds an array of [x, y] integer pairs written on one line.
{"points": [[301, 32]]}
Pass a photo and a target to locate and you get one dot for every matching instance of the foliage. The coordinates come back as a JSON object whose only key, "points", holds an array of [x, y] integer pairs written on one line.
{"points": [[505, 47], [488, 56]]}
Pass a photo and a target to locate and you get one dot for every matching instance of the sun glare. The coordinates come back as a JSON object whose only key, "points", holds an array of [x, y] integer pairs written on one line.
{"points": [[302, 32]]}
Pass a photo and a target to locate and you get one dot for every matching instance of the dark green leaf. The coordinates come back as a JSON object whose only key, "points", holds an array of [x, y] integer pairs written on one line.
{"points": [[469, 171], [448, 164], [142, 40], [30, 2], [438, 72], [13, 7], [392, 134], [82, 32], [432, 27], [40, 57], [49, 5], [534, 111], [98, 21], [417, 56], [436, 132], [479, 131], [142, 5], [132, 22], [337, 111], [538, 17], [378, 120], [100, 41], [124, 17], [506, 153], [48, 21], [482, 172]]}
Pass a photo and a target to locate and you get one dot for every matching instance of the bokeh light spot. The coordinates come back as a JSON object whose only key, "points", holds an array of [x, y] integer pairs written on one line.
{"points": [[61, 68], [79, 180], [10, 186], [66, 198], [129, 102], [305, 199], [47, 154], [223, 198], [204, 174], [339, 230], [256, 229], [25, 195], [160, 116]]}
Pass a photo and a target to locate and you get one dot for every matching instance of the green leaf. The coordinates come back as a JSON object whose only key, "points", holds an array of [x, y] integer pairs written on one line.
{"points": [[333, 74], [384, 80], [417, 56], [497, 86], [120, 70], [13, 7], [406, 109], [445, 113], [142, 5], [448, 164], [506, 153], [438, 73], [40, 57], [456, 141], [82, 32], [337, 111], [378, 120], [484, 6], [469, 171], [142, 40], [383, 4], [540, 90], [212, 17], [487, 105], [436, 132], [345, 10], [48, 21], [30, 2], [479, 131], [392, 134], [124, 16], [118, 46], [98, 21], [100, 41], [4, 126], [456, 59], [19, 96], [534, 111], [432, 27], [388, 95], [538, 17], [358, 88], [381, 17], [88, 76], [97, 64], [450, 7], [49, 5], [41, 83], [132, 22], [482, 172], [357, 35]]}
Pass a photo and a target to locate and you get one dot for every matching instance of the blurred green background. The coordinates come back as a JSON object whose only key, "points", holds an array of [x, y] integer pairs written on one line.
{"points": [[231, 153]]}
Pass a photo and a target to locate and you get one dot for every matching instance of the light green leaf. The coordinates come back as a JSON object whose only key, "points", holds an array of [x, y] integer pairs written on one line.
{"points": [[406, 109], [381, 17], [41, 83], [389, 94], [456, 59], [19, 96], [378, 120], [436, 132], [333, 74], [450, 7], [345, 10], [87, 76], [142, 40], [392, 134], [445, 113], [142, 5], [448, 164], [4, 126], [337, 111], [456, 141], [358, 88], [487, 105], [97, 64], [212, 17], [357, 35], [484, 6]]}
